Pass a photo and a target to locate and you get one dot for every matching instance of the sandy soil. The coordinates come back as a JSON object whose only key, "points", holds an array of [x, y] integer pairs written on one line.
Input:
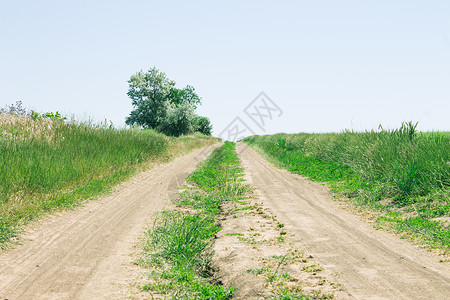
{"points": [[86, 253], [370, 264], [254, 254]]}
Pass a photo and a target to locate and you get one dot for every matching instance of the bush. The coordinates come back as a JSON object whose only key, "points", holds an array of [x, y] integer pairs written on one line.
{"points": [[202, 125], [179, 120]]}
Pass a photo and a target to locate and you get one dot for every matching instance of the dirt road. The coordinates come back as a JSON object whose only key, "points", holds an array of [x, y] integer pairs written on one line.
{"points": [[85, 254], [370, 264]]}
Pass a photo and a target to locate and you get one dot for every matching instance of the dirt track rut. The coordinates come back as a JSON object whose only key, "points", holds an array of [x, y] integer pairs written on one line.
{"points": [[85, 254], [370, 264]]}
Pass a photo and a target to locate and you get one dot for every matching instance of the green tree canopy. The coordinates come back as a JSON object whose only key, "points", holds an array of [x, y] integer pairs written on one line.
{"points": [[158, 104], [179, 120], [149, 92], [186, 95], [202, 125]]}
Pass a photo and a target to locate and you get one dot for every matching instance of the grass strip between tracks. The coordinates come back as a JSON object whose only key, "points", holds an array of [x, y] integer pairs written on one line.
{"points": [[178, 248]]}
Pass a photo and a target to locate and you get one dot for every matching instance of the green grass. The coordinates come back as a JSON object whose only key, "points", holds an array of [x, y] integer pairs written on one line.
{"points": [[284, 293], [48, 163], [178, 247], [257, 271], [234, 234], [399, 170]]}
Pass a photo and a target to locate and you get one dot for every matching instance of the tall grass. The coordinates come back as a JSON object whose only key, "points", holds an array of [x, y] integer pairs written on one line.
{"points": [[47, 162], [408, 170]]}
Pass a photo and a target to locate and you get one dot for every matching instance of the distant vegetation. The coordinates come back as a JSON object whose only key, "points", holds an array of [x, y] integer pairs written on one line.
{"points": [[159, 105], [47, 162], [403, 173]]}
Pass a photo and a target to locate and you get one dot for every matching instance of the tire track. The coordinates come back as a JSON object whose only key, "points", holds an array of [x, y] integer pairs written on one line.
{"points": [[85, 253], [371, 264]]}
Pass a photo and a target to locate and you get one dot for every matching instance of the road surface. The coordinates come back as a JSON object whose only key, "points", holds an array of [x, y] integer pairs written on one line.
{"points": [[370, 264], [85, 253]]}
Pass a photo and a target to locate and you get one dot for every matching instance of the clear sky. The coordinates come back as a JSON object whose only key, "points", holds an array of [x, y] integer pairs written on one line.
{"points": [[329, 65]]}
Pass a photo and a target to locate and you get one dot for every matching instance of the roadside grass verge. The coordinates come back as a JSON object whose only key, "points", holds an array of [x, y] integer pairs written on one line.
{"points": [[178, 248], [47, 163], [402, 174]]}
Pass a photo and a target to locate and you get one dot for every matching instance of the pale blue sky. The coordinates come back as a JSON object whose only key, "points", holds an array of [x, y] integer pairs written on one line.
{"points": [[329, 65]]}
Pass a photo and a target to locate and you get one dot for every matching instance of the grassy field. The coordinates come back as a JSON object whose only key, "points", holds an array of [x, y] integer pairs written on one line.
{"points": [[402, 174], [178, 248], [48, 163]]}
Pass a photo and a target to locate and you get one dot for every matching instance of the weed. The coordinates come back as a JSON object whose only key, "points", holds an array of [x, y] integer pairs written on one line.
{"points": [[272, 276], [234, 234], [242, 208], [281, 240], [313, 269], [251, 241], [257, 271], [284, 293]]}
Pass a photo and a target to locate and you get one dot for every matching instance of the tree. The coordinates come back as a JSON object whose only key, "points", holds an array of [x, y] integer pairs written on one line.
{"points": [[149, 93], [158, 104], [186, 95], [202, 125], [179, 120]]}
